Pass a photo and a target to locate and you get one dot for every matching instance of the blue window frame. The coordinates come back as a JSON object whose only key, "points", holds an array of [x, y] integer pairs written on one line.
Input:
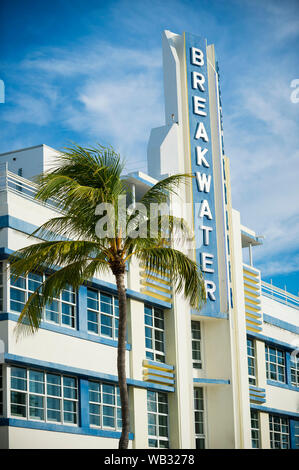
{"points": [[104, 406], [102, 313], [43, 396]]}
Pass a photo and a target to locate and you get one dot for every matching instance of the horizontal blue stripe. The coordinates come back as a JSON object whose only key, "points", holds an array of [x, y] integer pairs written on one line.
{"points": [[159, 379], [257, 399], [250, 278], [254, 320], [273, 383], [249, 304], [67, 331], [87, 431], [265, 409], [160, 364], [257, 393], [8, 221], [281, 324], [253, 387], [251, 290], [255, 314], [251, 269], [156, 283], [30, 362], [212, 381], [160, 372], [251, 298], [255, 327], [220, 316], [159, 276], [270, 341], [157, 291]]}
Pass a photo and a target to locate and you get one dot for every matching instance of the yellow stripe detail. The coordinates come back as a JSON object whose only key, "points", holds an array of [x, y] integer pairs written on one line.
{"points": [[154, 286], [252, 329], [156, 296], [251, 308], [164, 369], [155, 278]]}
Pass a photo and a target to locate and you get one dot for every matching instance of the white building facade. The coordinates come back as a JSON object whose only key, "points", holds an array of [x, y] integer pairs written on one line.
{"points": [[226, 376]]}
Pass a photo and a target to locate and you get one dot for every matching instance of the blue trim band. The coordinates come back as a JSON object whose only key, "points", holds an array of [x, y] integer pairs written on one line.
{"points": [[249, 304], [283, 385], [42, 426], [250, 268], [159, 373], [159, 364], [256, 314], [248, 277], [265, 409], [281, 324], [8, 221], [157, 378], [253, 320], [155, 290], [67, 331], [271, 341], [256, 389], [257, 399], [30, 362], [250, 299], [212, 381], [258, 328], [221, 316], [251, 290]]}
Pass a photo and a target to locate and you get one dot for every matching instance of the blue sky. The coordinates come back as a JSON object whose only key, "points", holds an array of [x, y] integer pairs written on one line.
{"points": [[91, 71]]}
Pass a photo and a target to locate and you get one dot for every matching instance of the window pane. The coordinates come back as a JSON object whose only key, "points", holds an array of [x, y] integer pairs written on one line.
{"points": [[53, 385], [53, 409], [18, 404], [36, 407]]}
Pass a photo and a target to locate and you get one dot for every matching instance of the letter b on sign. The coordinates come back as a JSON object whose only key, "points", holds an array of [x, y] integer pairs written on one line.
{"points": [[197, 57]]}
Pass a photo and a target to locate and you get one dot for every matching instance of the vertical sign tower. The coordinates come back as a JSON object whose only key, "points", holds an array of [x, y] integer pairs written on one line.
{"points": [[202, 168]]}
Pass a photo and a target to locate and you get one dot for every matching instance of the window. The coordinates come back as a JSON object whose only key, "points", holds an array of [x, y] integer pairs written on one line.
{"points": [[102, 313], [196, 339], [275, 364], [1, 391], [296, 434], [295, 370], [43, 396], [1, 287], [251, 361], [157, 412], [255, 429], [279, 432], [104, 406], [199, 418], [60, 311], [154, 334]]}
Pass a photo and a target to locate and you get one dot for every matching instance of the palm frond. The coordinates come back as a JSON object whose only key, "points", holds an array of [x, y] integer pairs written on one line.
{"points": [[160, 192], [184, 272], [50, 254]]}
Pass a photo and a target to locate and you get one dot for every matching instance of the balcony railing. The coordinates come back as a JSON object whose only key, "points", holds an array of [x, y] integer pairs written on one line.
{"points": [[16, 184], [280, 295]]}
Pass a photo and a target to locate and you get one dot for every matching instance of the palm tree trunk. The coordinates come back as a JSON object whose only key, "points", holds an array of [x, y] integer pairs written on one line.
{"points": [[121, 359]]}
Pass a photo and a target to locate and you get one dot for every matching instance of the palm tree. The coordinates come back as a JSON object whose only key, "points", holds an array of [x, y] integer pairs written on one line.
{"points": [[72, 253]]}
